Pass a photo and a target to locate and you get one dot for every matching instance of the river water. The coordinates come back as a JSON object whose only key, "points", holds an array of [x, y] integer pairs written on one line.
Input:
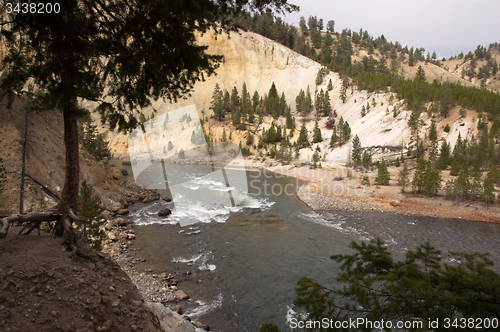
{"points": [[241, 264]]}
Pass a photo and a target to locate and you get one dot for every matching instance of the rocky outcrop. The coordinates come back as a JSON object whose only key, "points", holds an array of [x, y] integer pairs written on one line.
{"points": [[170, 321]]}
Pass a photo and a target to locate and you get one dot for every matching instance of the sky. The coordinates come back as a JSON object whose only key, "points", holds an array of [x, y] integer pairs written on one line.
{"points": [[445, 26]]}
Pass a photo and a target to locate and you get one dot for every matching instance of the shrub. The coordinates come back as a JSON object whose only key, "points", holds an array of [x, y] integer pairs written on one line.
{"points": [[90, 208]]}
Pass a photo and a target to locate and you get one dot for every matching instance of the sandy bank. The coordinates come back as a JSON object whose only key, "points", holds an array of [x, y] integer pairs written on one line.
{"points": [[341, 189]]}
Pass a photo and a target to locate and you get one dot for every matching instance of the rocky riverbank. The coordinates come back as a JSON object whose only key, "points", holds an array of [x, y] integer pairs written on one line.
{"points": [[332, 189], [158, 287]]}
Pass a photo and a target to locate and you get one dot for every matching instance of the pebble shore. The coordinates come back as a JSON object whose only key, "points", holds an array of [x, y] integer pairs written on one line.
{"points": [[323, 203]]}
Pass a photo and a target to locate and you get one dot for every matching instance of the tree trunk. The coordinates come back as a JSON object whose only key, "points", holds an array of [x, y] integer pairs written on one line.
{"points": [[23, 167], [69, 195]]}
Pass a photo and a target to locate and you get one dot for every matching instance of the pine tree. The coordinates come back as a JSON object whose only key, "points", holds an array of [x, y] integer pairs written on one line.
{"points": [[249, 139], [444, 156], [181, 154], [94, 142], [383, 175], [90, 209], [404, 178], [289, 119], [372, 285], [302, 141], [334, 139], [432, 179], [217, 103], [367, 159], [327, 107], [343, 90], [315, 159], [317, 133], [356, 151], [433, 132], [330, 85], [418, 182], [489, 190], [346, 132], [420, 74], [224, 137]]}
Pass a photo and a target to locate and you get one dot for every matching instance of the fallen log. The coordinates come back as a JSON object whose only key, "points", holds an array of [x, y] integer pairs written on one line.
{"points": [[29, 217]]}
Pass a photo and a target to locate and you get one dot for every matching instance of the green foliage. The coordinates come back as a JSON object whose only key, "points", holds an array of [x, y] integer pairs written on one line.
{"points": [[367, 159], [90, 209], [303, 102], [365, 181], [302, 141], [170, 146], [181, 154], [418, 182], [334, 139], [269, 327], [315, 159], [344, 131], [383, 175], [356, 151], [330, 85], [94, 143], [343, 90], [216, 104], [249, 139], [404, 178], [322, 72], [198, 137], [419, 288], [317, 133], [447, 128], [224, 136], [445, 155], [489, 190], [433, 132], [420, 74]]}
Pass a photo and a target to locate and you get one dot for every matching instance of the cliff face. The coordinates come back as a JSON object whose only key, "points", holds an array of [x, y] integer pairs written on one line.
{"points": [[258, 61], [248, 58]]}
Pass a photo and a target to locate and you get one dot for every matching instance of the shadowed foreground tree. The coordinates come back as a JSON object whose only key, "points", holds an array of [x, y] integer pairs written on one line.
{"points": [[419, 288], [118, 54]]}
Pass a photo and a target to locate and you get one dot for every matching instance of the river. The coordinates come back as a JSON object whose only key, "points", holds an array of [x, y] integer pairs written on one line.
{"points": [[241, 264]]}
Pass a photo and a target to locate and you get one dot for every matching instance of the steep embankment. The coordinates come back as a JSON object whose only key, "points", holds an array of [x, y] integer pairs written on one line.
{"points": [[45, 165]]}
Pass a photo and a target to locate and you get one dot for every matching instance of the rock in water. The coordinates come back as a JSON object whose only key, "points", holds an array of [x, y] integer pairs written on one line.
{"points": [[124, 172], [122, 212], [164, 212]]}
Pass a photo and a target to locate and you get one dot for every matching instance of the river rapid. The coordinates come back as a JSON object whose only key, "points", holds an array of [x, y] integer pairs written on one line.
{"points": [[241, 264]]}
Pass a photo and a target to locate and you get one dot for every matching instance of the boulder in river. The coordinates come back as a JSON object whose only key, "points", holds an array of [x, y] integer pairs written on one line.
{"points": [[164, 212]]}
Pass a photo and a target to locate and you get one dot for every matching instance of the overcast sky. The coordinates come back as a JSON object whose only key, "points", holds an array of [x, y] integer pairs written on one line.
{"points": [[445, 26]]}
